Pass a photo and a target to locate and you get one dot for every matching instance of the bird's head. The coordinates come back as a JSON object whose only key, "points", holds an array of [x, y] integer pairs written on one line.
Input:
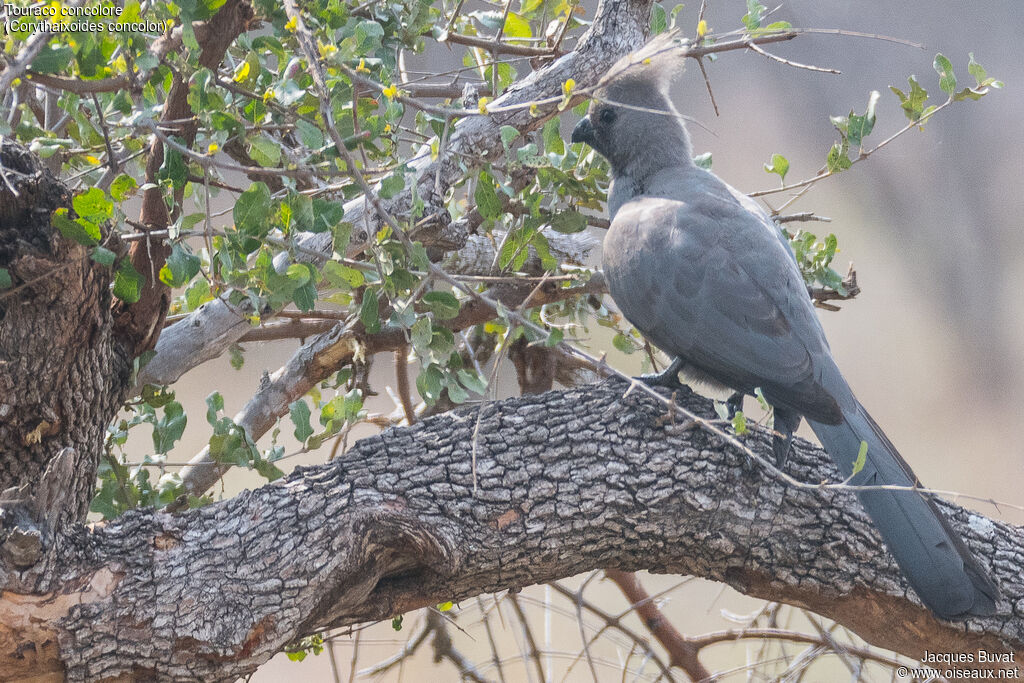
{"points": [[631, 121]]}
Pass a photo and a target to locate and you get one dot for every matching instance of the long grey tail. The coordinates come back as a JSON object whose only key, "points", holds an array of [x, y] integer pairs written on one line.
{"points": [[933, 557]]}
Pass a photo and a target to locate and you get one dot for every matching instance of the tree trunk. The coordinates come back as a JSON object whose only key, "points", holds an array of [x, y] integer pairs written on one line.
{"points": [[63, 371]]}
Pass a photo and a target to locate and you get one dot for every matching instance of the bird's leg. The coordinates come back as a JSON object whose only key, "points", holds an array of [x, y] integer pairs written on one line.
{"points": [[668, 378], [734, 404], [786, 422]]}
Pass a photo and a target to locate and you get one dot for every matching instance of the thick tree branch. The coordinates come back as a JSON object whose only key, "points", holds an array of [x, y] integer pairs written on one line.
{"points": [[567, 482]]}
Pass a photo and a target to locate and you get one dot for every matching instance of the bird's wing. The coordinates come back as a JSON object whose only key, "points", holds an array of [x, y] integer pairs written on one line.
{"points": [[705, 280]]}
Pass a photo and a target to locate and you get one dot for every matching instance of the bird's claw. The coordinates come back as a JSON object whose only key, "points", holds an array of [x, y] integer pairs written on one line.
{"points": [[668, 378]]}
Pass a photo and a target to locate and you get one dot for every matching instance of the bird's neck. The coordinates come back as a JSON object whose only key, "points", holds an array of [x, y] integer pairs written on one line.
{"points": [[668, 180]]}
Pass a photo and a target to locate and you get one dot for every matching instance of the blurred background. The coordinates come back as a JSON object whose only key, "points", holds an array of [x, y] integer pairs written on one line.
{"points": [[933, 346]]}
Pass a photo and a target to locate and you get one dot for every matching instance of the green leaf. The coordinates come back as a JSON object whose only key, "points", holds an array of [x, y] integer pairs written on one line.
{"points": [[947, 79], [528, 155], [305, 297], [309, 135], [456, 393], [197, 294], [128, 283], [837, 159], [214, 404], [252, 210], [862, 458], [236, 357], [297, 212], [472, 381], [444, 305], [976, 70], [421, 333], [429, 384], [445, 606], [969, 94], [623, 343], [342, 276], [5, 278], [486, 196], [392, 185], [265, 151], [93, 205], [912, 104], [516, 26], [396, 622], [568, 222], [326, 214], [369, 312], [659, 19], [102, 256], [169, 428], [78, 230], [752, 19], [173, 167], [555, 337], [299, 414], [779, 165], [739, 422], [122, 187], [859, 127], [53, 59], [552, 136], [180, 268], [508, 134]]}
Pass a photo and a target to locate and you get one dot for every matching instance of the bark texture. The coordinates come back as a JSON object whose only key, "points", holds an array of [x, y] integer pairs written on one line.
{"points": [[565, 482], [62, 369]]}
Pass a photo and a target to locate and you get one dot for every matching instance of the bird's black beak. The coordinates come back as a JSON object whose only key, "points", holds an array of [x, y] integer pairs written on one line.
{"points": [[583, 132]]}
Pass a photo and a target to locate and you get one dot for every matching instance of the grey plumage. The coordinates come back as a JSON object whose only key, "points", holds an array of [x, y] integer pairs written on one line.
{"points": [[704, 273]]}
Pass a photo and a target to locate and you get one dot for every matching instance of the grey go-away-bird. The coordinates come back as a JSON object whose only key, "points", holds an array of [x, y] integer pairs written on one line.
{"points": [[704, 273]]}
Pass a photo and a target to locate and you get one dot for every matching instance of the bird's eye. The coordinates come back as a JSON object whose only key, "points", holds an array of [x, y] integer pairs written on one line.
{"points": [[607, 116]]}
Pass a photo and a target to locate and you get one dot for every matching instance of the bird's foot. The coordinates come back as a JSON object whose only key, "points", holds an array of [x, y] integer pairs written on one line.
{"points": [[668, 378], [734, 404]]}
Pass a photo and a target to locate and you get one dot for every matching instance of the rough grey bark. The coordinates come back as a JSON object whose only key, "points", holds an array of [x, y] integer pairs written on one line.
{"points": [[566, 482], [62, 369]]}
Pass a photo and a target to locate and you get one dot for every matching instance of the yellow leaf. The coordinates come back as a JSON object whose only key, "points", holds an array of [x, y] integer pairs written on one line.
{"points": [[242, 72], [482, 105]]}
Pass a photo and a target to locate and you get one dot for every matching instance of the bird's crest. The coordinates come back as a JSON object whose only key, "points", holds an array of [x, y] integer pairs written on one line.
{"points": [[653, 65]]}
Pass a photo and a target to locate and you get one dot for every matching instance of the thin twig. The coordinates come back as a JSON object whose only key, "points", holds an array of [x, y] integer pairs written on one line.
{"points": [[788, 62]]}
